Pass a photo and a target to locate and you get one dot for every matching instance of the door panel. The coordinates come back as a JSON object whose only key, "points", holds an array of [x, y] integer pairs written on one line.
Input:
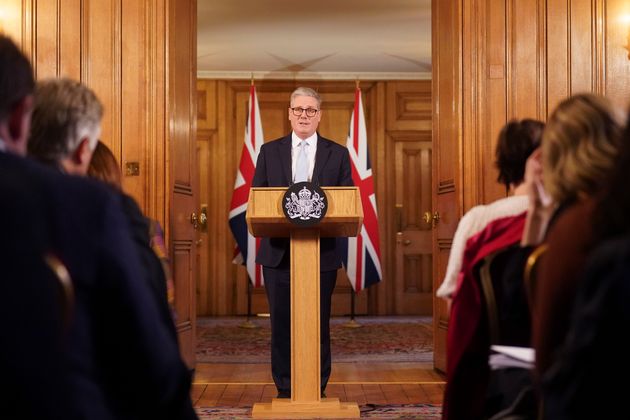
{"points": [[413, 277], [182, 99], [447, 126]]}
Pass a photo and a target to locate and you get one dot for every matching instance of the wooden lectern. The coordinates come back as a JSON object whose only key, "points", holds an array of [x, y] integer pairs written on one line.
{"points": [[343, 218]]}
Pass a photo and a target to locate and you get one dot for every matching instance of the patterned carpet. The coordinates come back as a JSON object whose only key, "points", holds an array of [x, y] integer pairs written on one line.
{"points": [[393, 411], [380, 339]]}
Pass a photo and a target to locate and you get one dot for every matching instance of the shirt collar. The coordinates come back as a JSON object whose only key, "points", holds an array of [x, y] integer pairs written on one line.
{"points": [[295, 140]]}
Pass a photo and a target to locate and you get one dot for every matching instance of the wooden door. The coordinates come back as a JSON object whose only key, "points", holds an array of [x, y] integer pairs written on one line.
{"points": [[447, 167], [182, 98], [414, 260]]}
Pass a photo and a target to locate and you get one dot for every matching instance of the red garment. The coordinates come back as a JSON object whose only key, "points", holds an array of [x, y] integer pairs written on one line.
{"points": [[467, 342]]}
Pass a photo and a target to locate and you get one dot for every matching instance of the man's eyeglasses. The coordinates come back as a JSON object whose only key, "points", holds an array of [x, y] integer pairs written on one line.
{"points": [[310, 112]]}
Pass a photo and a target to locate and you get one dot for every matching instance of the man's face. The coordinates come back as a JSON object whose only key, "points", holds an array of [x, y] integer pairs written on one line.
{"points": [[303, 125]]}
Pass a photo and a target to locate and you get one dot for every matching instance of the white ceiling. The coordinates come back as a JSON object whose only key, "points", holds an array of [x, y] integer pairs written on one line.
{"points": [[338, 39]]}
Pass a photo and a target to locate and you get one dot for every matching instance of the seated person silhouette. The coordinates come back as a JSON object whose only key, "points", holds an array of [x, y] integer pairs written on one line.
{"points": [[118, 359], [483, 230]]}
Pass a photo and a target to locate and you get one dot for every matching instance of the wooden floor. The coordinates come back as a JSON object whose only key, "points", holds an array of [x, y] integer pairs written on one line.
{"points": [[364, 383]]}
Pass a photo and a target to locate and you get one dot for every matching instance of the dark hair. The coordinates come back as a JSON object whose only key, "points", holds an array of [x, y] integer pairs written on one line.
{"points": [[612, 210], [517, 140], [104, 167], [16, 76]]}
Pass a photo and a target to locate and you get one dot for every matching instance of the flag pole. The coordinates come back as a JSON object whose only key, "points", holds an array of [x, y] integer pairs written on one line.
{"points": [[352, 323], [248, 323]]}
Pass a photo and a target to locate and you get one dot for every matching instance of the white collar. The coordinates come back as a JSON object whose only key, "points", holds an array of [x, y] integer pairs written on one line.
{"points": [[295, 140]]}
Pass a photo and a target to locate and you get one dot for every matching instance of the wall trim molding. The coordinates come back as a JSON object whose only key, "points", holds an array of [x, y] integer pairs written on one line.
{"points": [[287, 75]]}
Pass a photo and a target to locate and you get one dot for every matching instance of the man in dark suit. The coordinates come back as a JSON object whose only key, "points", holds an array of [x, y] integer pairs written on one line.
{"points": [[301, 156], [112, 357]]}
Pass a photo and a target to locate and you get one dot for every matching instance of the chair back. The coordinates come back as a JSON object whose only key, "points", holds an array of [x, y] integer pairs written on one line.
{"points": [[531, 267], [505, 296]]}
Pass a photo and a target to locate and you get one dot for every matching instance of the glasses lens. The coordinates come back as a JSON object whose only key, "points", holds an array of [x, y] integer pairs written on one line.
{"points": [[310, 112]]}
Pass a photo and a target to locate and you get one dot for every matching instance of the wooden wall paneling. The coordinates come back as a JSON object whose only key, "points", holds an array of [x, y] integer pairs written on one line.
{"points": [[377, 295], [181, 106], [582, 46], [47, 54], [542, 95], [409, 106], [473, 45], [12, 21], [134, 106], [494, 74], [70, 38], [447, 90], [558, 53], [223, 183], [523, 58], [616, 49], [102, 67], [206, 105], [203, 291], [156, 168]]}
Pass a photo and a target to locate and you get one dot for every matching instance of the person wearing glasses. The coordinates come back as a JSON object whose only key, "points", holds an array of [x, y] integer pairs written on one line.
{"points": [[303, 155]]}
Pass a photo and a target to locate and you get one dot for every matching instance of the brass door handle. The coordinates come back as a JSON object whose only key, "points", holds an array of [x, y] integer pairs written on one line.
{"points": [[406, 242], [194, 220], [203, 217], [431, 218]]}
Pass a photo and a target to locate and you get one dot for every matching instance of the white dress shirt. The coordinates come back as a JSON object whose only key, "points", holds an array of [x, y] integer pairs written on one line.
{"points": [[310, 151]]}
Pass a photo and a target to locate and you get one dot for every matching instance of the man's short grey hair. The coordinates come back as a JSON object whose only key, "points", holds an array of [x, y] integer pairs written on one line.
{"points": [[305, 91], [65, 112]]}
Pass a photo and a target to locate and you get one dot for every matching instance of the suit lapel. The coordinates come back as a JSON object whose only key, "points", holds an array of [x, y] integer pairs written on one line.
{"points": [[285, 158], [321, 156]]}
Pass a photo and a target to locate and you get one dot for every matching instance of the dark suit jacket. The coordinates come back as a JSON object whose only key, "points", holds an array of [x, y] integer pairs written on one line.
{"points": [[273, 169], [121, 361]]}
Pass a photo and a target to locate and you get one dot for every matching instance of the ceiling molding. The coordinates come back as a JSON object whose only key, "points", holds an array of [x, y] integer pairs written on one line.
{"points": [[287, 75]]}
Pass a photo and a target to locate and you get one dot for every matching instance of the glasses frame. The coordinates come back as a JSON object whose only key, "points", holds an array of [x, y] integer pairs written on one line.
{"points": [[303, 111]]}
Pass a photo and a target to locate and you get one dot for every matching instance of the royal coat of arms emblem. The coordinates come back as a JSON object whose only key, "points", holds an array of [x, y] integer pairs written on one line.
{"points": [[304, 204]]}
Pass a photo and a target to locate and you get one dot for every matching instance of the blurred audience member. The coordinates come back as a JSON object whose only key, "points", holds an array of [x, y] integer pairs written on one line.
{"points": [[122, 359], [572, 385], [147, 233], [66, 125], [482, 231], [580, 148], [517, 141], [33, 379]]}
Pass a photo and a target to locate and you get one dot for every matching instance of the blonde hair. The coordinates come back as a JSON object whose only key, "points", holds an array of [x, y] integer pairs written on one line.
{"points": [[579, 146]]}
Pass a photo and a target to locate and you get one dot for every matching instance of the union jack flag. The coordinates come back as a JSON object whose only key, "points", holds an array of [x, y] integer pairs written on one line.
{"points": [[361, 256], [246, 244]]}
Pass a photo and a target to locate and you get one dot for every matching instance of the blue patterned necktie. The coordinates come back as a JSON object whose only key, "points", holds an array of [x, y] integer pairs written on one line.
{"points": [[301, 167]]}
